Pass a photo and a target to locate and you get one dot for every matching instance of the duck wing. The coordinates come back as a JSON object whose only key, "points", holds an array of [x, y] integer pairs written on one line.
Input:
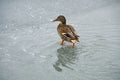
{"points": [[70, 32], [69, 35], [73, 31]]}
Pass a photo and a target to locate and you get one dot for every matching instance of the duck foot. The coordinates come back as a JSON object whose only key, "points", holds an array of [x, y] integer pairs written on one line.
{"points": [[72, 46]]}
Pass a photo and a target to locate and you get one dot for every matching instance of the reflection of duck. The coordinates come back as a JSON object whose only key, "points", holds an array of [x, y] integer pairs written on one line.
{"points": [[66, 32], [65, 56]]}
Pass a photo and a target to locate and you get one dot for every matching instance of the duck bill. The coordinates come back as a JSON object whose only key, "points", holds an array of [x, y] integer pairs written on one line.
{"points": [[54, 20]]}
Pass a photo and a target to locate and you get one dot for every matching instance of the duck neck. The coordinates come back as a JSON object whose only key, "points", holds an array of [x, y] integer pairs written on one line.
{"points": [[64, 22]]}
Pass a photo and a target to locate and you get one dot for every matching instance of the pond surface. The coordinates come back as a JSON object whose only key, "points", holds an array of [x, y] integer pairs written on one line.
{"points": [[29, 48]]}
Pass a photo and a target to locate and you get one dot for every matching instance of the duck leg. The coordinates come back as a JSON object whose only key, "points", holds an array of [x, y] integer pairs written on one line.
{"points": [[72, 46], [62, 42]]}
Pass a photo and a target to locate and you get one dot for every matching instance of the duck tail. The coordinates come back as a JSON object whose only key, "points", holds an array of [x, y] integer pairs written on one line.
{"points": [[76, 38], [75, 41]]}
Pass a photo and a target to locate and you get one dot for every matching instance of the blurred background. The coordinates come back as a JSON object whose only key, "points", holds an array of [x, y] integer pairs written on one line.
{"points": [[29, 48]]}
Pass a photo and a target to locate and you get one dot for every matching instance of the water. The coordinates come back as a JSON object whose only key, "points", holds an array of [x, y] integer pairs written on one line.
{"points": [[29, 48]]}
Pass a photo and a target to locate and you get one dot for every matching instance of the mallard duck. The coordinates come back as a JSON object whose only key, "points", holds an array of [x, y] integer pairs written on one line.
{"points": [[66, 32]]}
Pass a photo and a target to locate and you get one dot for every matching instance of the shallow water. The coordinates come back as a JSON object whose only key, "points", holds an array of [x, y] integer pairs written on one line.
{"points": [[29, 48]]}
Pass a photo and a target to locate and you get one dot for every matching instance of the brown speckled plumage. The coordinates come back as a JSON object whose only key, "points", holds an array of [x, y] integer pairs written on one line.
{"points": [[66, 32]]}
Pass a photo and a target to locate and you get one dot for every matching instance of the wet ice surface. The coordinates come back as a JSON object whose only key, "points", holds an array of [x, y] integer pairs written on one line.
{"points": [[29, 48]]}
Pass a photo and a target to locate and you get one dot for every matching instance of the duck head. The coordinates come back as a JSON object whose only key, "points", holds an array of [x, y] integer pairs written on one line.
{"points": [[61, 19]]}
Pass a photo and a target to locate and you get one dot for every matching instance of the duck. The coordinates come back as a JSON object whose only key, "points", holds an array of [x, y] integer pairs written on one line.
{"points": [[66, 32]]}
